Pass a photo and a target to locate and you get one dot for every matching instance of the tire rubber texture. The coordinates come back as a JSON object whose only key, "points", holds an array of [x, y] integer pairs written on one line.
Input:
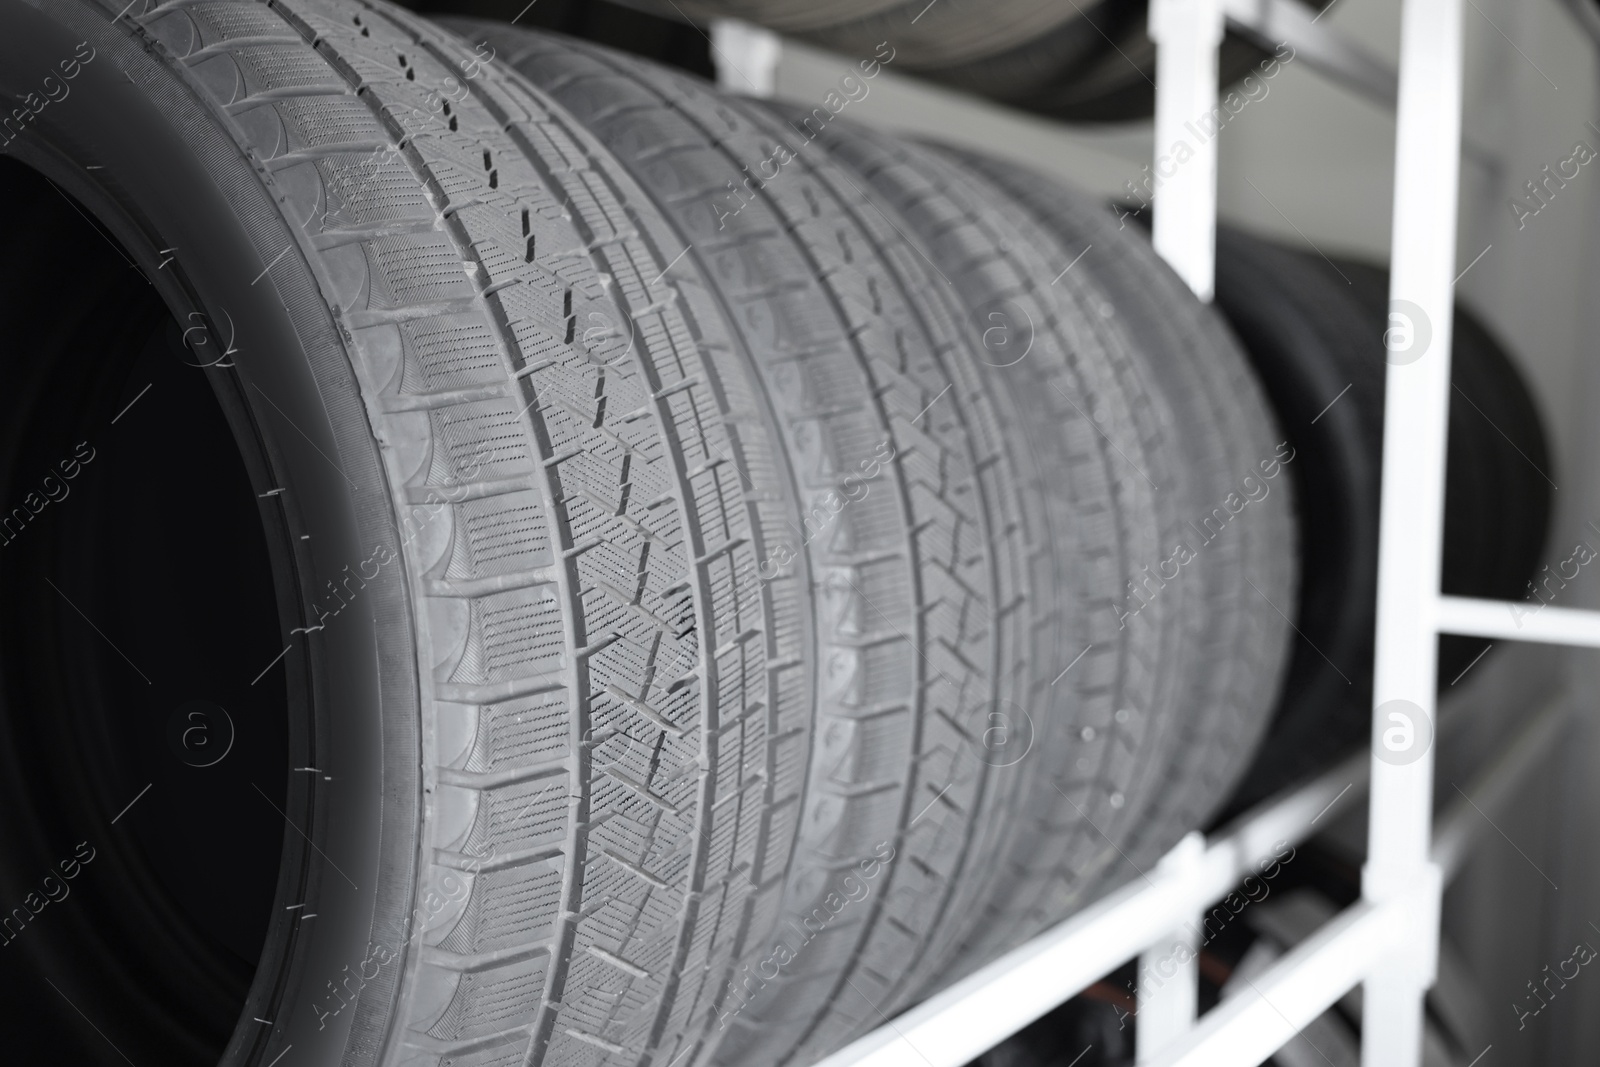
{"points": [[1314, 330], [557, 734], [161, 503], [1234, 450], [1015, 249], [920, 570], [843, 303], [1077, 397], [1101, 481]]}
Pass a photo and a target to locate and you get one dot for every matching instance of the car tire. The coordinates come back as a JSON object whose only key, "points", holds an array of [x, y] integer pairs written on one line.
{"points": [[543, 736], [1314, 330], [1065, 514]]}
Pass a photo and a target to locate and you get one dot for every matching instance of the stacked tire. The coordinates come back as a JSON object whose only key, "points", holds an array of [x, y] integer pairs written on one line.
{"points": [[1314, 329], [1080, 62], [705, 631]]}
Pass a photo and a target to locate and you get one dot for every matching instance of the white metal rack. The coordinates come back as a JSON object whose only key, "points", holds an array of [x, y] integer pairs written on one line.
{"points": [[1388, 941]]}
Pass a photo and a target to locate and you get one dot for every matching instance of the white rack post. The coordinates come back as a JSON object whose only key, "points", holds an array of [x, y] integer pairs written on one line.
{"points": [[1411, 527], [1184, 231], [1187, 34], [745, 57], [1167, 994]]}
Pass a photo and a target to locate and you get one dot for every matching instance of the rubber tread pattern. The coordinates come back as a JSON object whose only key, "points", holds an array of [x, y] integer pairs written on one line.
{"points": [[580, 471], [921, 578], [1066, 844], [1099, 697], [1251, 569]]}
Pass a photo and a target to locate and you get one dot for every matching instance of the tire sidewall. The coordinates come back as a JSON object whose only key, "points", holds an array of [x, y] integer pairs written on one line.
{"points": [[171, 175]]}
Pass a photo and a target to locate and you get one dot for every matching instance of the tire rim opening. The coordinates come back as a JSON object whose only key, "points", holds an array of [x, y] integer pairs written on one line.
{"points": [[144, 754]]}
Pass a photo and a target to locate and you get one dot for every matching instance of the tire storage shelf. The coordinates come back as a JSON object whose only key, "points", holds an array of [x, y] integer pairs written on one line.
{"points": [[1387, 942]]}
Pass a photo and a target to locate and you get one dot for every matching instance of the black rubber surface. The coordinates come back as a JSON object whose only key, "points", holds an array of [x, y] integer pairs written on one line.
{"points": [[136, 583], [1314, 330]]}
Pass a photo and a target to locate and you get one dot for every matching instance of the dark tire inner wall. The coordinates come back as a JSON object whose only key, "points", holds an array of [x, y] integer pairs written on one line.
{"points": [[135, 600]]}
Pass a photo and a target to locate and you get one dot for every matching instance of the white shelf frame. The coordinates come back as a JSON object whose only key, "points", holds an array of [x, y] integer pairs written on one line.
{"points": [[962, 1021], [1388, 941]]}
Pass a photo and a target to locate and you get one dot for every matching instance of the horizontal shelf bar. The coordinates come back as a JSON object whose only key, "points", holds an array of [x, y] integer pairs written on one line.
{"points": [[959, 1023], [1323, 48], [1308, 980], [1301, 985], [1268, 22], [1510, 620], [1249, 1027]]}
